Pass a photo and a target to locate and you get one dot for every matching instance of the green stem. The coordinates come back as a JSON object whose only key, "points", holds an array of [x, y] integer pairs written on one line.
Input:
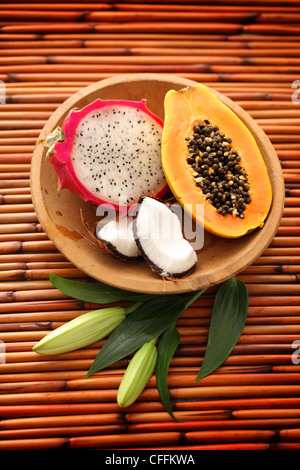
{"points": [[153, 341], [195, 297], [132, 308]]}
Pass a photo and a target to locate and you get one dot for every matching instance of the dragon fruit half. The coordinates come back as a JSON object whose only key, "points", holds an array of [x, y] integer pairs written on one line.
{"points": [[109, 152]]}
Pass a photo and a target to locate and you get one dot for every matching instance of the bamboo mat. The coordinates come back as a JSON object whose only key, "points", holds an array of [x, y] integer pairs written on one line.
{"points": [[246, 50]]}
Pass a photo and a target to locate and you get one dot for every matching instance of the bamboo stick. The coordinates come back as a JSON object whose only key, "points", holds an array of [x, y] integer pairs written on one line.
{"points": [[288, 154], [222, 424], [167, 36], [273, 87], [48, 27], [23, 237], [37, 43], [94, 6], [273, 300], [230, 436], [31, 257], [15, 15], [189, 314], [25, 124], [14, 168], [242, 360], [161, 27], [186, 380], [60, 397], [141, 42], [15, 158], [151, 58], [25, 107], [226, 8], [268, 279], [27, 285], [41, 292], [274, 289], [135, 412], [279, 251], [221, 417], [62, 421], [34, 295], [62, 431], [109, 48], [14, 208], [125, 440], [236, 391], [275, 104], [39, 115], [259, 56], [20, 37], [271, 269], [170, 16], [34, 444], [22, 60], [160, 427], [292, 231], [130, 16], [290, 164], [44, 305], [62, 316], [79, 374], [200, 77], [251, 69], [22, 274], [47, 98], [185, 42], [119, 67], [31, 227], [266, 28], [18, 218], [54, 409], [38, 85], [14, 184], [240, 404], [83, 364]]}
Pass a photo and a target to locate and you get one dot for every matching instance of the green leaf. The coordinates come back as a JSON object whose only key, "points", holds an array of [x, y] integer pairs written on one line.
{"points": [[166, 348], [228, 319], [147, 321], [96, 292]]}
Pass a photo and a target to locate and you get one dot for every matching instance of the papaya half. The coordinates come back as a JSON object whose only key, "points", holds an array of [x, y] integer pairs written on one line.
{"points": [[210, 157]]}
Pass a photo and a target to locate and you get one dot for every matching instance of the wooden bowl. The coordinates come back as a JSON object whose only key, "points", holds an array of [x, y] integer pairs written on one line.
{"points": [[60, 215]]}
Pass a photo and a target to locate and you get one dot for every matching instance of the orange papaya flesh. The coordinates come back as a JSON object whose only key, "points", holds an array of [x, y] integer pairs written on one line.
{"points": [[191, 107]]}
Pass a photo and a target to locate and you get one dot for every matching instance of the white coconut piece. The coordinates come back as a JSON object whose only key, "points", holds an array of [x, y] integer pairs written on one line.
{"points": [[159, 237], [117, 237]]}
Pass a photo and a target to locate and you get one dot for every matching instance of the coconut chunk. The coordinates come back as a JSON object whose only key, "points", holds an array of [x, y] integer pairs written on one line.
{"points": [[159, 237], [117, 237]]}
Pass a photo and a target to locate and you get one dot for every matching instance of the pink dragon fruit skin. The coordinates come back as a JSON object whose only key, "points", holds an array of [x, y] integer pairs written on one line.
{"points": [[61, 153]]}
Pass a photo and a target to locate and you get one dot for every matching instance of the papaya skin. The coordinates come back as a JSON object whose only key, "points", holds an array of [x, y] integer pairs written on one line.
{"points": [[183, 110]]}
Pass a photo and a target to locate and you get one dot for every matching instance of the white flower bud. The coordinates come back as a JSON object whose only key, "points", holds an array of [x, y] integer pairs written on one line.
{"points": [[81, 331], [137, 374]]}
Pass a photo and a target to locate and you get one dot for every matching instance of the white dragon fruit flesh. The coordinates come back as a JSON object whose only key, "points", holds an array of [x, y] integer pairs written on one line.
{"points": [[111, 153]]}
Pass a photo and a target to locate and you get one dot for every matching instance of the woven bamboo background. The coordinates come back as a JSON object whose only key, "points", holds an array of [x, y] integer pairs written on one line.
{"points": [[249, 51]]}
